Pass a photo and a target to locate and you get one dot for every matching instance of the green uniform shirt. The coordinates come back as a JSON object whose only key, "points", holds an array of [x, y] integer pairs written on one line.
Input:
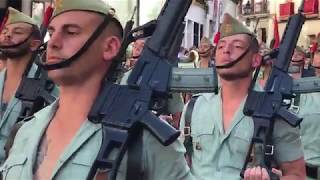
{"points": [[175, 103], [11, 113], [158, 162], [310, 127], [221, 155]]}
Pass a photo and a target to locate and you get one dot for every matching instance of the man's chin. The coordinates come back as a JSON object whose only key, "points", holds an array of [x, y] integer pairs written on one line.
{"points": [[13, 54], [204, 55], [229, 76], [56, 75]]}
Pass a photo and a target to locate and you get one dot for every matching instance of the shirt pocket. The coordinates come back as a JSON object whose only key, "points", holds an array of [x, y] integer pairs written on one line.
{"points": [[203, 142], [79, 166], [239, 145], [14, 167]]}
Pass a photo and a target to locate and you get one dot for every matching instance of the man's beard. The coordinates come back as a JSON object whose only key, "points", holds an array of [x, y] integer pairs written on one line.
{"points": [[19, 51], [205, 53], [236, 76]]}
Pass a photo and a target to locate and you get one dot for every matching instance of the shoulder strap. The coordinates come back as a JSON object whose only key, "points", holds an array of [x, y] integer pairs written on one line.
{"points": [[134, 162], [187, 128], [189, 111]]}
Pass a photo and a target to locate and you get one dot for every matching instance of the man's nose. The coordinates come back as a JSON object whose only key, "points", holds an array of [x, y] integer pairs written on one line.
{"points": [[55, 41], [226, 49], [7, 35]]}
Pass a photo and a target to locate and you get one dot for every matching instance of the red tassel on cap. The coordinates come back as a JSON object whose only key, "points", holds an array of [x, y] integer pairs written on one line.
{"points": [[216, 38], [314, 47], [47, 16]]}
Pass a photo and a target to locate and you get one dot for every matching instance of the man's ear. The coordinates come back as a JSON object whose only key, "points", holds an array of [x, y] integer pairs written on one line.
{"points": [[111, 47], [257, 60], [35, 44]]}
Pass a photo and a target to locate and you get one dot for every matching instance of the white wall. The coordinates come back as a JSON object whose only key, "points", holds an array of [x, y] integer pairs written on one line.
{"points": [[195, 14]]}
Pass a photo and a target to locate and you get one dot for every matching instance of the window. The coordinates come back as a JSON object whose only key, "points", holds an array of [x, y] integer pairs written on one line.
{"points": [[201, 31], [37, 11], [264, 35], [196, 34]]}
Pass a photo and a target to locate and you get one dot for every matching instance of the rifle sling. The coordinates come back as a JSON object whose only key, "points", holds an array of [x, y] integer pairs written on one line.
{"points": [[134, 165], [269, 147], [187, 128]]}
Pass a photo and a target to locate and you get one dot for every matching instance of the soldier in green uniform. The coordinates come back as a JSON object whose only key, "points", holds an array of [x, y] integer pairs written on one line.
{"points": [[205, 53], [296, 68], [136, 52], [221, 133], [310, 135], [60, 142], [20, 38]]}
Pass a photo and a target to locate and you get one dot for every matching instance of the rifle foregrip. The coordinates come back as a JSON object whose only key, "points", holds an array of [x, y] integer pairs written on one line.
{"points": [[164, 132]]}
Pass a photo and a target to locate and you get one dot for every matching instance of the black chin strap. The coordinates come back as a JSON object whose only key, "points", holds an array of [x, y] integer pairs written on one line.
{"points": [[316, 67], [84, 48], [135, 57], [205, 51], [298, 61], [229, 65], [16, 45]]}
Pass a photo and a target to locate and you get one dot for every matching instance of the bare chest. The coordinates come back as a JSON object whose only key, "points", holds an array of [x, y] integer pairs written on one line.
{"points": [[51, 148], [228, 113]]}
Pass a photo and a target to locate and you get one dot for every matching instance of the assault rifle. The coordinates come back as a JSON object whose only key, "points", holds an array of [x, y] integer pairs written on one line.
{"points": [[264, 107], [124, 111]]}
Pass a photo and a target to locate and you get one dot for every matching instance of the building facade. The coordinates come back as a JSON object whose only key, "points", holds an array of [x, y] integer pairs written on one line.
{"points": [[259, 15], [201, 19]]}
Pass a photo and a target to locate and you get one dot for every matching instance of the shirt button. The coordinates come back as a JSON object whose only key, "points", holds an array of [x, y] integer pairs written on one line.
{"points": [[198, 146]]}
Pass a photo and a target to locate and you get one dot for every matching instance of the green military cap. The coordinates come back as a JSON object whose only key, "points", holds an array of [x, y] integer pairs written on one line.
{"points": [[205, 40], [16, 16], [299, 49], [97, 6], [230, 26]]}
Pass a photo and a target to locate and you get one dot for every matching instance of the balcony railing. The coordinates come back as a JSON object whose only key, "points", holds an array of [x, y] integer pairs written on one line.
{"points": [[258, 8]]}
